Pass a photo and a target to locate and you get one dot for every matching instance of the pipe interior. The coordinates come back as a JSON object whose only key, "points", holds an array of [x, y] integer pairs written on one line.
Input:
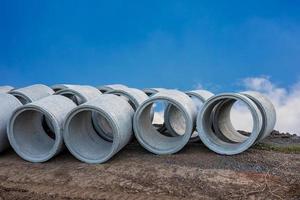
{"points": [[84, 139], [152, 137], [176, 120], [226, 112], [102, 126], [31, 135], [158, 109]]}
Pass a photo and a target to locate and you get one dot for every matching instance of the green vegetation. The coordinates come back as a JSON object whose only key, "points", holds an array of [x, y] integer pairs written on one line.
{"points": [[292, 148]]}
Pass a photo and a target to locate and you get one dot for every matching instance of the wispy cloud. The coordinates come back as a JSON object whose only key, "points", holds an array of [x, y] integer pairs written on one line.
{"points": [[285, 100]]}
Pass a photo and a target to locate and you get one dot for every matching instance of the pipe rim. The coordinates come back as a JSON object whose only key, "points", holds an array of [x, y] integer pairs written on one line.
{"points": [[138, 129], [58, 142], [206, 133], [115, 143]]}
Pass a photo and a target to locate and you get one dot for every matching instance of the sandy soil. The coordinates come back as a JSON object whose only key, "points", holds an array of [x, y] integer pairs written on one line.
{"points": [[193, 173]]}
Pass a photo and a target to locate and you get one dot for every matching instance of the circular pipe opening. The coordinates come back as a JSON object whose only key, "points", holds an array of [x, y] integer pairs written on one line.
{"points": [[31, 137], [151, 138], [233, 119], [223, 138], [82, 139]]}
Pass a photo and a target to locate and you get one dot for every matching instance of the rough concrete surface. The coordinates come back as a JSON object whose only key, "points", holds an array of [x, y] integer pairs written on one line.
{"points": [[134, 173]]}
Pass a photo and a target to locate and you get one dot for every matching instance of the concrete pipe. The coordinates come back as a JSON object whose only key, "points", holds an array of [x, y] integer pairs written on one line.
{"points": [[265, 106], [153, 140], [29, 136], [79, 93], [5, 89], [32, 93], [227, 140], [82, 139], [107, 88], [267, 110], [7, 106]]}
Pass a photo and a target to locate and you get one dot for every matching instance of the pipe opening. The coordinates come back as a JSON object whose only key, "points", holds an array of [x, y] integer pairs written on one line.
{"points": [[223, 137], [31, 136], [83, 139], [152, 138], [233, 120]]}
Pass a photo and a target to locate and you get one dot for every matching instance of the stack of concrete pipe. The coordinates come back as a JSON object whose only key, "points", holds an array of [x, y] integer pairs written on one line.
{"points": [[94, 123]]}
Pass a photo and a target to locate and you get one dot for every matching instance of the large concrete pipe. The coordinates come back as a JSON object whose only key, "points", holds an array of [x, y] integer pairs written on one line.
{"points": [[28, 134], [226, 140], [79, 93], [150, 138], [32, 93], [106, 88], [5, 89], [7, 106], [82, 139], [263, 103]]}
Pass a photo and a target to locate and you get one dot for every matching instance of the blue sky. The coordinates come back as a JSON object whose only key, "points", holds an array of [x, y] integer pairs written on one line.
{"points": [[172, 44]]}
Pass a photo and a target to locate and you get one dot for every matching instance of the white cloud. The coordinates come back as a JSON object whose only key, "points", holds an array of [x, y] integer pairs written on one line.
{"points": [[285, 100]]}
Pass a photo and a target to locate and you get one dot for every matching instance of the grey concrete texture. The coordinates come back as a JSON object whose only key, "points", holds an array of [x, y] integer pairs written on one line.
{"points": [[226, 140], [149, 137], [96, 125], [5, 88], [79, 93], [107, 88], [28, 133], [32, 93], [81, 137], [8, 104]]}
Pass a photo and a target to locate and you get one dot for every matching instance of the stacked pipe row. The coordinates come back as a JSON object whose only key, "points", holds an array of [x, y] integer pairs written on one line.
{"points": [[38, 122]]}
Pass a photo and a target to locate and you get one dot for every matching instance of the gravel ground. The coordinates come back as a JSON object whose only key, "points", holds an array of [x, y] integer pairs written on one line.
{"points": [[193, 173]]}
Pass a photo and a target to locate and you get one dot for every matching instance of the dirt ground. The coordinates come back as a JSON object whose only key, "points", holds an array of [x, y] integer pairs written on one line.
{"points": [[193, 173]]}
